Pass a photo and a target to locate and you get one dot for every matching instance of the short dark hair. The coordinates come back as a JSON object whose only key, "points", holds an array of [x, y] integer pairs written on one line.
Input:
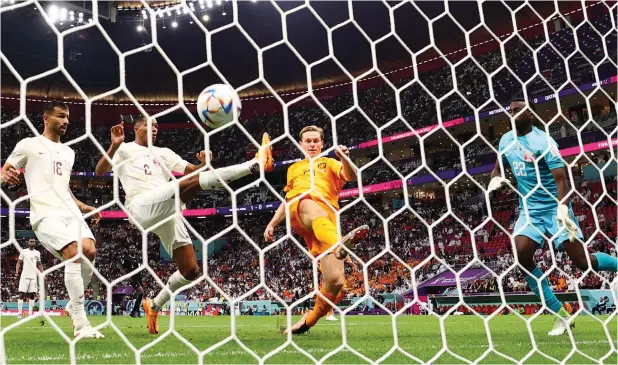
{"points": [[49, 107], [522, 100], [139, 120]]}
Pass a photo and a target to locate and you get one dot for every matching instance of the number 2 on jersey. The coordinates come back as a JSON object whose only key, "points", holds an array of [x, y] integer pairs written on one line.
{"points": [[519, 168], [147, 169]]}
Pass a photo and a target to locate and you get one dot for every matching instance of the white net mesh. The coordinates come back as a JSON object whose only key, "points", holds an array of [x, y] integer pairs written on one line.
{"points": [[435, 240]]}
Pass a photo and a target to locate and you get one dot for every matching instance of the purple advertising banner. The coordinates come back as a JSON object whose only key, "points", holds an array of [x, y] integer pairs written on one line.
{"points": [[447, 278], [125, 290]]}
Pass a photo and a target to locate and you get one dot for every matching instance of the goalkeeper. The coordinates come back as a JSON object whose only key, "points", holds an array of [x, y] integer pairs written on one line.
{"points": [[545, 210]]}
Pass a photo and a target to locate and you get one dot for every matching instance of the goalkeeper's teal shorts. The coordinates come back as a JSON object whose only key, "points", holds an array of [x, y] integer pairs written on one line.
{"points": [[545, 224]]}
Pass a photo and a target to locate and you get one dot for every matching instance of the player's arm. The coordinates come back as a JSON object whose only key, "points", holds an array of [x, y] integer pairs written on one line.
{"points": [[18, 266], [496, 177], [269, 233], [85, 208], [559, 172], [18, 159], [38, 263], [104, 166], [560, 176], [348, 170]]}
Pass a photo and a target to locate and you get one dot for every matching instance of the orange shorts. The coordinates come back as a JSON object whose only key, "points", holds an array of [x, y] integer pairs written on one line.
{"points": [[316, 247]]}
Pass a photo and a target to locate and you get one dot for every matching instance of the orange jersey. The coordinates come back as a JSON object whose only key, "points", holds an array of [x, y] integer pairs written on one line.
{"points": [[328, 180]]}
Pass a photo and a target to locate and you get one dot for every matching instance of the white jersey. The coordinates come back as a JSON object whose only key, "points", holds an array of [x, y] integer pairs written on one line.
{"points": [[34, 258], [141, 170], [47, 168]]}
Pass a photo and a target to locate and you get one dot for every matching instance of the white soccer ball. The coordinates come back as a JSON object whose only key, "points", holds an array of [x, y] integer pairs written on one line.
{"points": [[216, 105]]}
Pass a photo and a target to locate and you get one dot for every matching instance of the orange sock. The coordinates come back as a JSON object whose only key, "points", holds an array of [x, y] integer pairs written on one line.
{"points": [[320, 309], [325, 231]]}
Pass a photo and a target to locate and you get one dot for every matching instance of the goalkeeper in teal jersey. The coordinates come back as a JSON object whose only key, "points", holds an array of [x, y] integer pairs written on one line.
{"points": [[543, 210]]}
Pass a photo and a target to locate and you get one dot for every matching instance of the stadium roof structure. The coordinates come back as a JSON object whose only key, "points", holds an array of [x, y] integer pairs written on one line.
{"points": [[31, 46]]}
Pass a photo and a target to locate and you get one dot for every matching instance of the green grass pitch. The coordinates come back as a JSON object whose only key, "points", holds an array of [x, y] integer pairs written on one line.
{"points": [[372, 336]]}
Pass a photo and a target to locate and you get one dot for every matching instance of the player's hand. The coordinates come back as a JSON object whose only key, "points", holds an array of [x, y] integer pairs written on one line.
{"points": [[564, 220], [96, 217], [341, 151], [10, 176], [495, 184], [269, 233], [118, 134], [201, 156]]}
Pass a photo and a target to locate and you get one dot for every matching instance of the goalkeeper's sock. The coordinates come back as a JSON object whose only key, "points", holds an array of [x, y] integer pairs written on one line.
{"points": [[20, 306], [320, 309], [75, 287], [30, 306], [174, 282], [208, 179], [550, 298], [325, 231], [606, 262], [86, 273]]}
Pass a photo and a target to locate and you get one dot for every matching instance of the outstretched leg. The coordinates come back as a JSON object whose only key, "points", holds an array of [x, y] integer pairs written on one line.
{"points": [[600, 261], [208, 180]]}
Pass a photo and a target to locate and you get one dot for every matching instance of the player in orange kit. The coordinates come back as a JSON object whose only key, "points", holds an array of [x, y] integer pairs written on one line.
{"points": [[316, 221]]}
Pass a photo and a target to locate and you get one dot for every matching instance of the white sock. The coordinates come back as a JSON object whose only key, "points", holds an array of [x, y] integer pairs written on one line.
{"points": [[30, 306], [20, 306], [86, 273], [174, 282], [75, 287], [208, 179]]}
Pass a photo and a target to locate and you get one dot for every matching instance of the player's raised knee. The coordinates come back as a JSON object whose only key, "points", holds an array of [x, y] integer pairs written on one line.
{"points": [[190, 273]]}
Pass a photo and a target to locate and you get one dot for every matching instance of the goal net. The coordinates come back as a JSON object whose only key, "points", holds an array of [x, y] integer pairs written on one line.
{"points": [[420, 94]]}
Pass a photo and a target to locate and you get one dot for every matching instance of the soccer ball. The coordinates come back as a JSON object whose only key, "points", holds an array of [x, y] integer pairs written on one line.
{"points": [[216, 105]]}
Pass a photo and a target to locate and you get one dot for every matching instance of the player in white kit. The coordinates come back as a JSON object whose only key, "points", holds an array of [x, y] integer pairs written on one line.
{"points": [[28, 263], [55, 214], [150, 196]]}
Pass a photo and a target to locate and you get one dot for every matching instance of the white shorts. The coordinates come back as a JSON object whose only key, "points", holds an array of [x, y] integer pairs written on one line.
{"points": [[56, 233], [151, 207], [28, 285]]}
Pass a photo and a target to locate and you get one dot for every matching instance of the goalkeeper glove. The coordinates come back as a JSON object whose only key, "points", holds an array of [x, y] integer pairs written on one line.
{"points": [[565, 220], [495, 184]]}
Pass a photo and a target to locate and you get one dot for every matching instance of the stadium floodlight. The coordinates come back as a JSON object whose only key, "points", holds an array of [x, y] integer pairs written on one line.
{"points": [[71, 13], [178, 11], [53, 13], [185, 10], [140, 28], [169, 12], [63, 14], [218, 2], [202, 6], [224, 13], [144, 16], [174, 24], [209, 3], [205, 17], [81, 15], [144, 11], [160, 13]]}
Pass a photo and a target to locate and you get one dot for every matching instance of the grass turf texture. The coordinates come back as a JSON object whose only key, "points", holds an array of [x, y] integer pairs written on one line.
{"points": [[369, 335]]}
